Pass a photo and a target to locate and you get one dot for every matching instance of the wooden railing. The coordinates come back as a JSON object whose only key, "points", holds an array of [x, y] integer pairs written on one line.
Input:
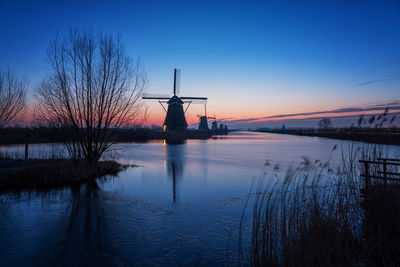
{"points": [[381, 172]]}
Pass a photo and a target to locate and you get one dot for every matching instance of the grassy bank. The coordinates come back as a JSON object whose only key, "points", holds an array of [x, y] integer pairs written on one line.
{"points": [[373, 136], [46, 173]]}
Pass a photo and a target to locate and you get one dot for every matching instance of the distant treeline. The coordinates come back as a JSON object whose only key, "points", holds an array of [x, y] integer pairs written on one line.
{"points": [[388, 136], [53, 135], [18, 135]]}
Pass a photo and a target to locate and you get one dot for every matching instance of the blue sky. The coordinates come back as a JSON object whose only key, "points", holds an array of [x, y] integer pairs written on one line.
{"points": [[251, 58]]}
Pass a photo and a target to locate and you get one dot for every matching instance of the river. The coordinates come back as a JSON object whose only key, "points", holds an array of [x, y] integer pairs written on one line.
{"points": [[181, 205]]}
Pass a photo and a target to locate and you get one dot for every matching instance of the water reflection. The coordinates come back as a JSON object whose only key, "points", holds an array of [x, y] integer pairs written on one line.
{"points": [[86, 228], [175, 159], [67, 226], [186, 170]]}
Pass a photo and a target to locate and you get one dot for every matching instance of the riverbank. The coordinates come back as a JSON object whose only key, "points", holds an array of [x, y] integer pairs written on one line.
{"points": [[47, 173], [53, 135], [381, 136]]}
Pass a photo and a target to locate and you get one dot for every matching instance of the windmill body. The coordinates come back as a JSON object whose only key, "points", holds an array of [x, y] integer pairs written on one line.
{"points": [[175, 120], [214, 126], [203, 123]]}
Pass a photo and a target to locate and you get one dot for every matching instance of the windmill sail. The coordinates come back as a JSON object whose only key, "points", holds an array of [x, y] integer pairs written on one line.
{"points": [[156, 96], [177, 81]]}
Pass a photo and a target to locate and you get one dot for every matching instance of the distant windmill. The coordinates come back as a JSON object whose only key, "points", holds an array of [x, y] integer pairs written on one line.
{"points": [[203, 125], [175, 118], [214, 125]]}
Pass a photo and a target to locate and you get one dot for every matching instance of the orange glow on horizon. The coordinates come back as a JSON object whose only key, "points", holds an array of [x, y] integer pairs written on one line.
{"points": [[156, 115], [193, 120]]}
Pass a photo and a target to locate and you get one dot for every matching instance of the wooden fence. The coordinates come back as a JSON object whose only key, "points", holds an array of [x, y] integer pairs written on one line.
{"points": [[378, 169]]}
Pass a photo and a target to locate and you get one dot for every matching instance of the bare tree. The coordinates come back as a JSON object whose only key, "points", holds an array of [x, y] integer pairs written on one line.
{"points": [[93, 90], [12, 98], [325, 123]]}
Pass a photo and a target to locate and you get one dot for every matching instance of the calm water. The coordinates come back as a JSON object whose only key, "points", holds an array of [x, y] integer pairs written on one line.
{"points": [[182, 204]]}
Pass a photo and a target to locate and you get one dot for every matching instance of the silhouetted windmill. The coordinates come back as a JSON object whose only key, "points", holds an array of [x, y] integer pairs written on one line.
{"points": [[214, 125], [175, 118], [203, 125]]}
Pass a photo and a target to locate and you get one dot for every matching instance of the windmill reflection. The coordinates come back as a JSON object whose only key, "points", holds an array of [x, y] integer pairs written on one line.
{"points": [[175, 157]]}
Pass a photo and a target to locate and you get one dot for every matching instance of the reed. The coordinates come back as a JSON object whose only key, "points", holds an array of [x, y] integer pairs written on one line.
{"points": [[317, 216]]}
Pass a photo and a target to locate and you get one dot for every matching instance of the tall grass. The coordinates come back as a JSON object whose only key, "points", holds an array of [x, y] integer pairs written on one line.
{"points": [[35, 152], [317, 216]]}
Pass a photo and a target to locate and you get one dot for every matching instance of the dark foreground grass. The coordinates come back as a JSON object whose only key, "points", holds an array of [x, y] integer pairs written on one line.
{"points": [[26, 174], [315, 216], [381, 225]]}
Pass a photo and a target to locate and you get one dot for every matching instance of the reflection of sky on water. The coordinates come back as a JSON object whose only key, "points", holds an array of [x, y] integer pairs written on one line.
{"points": [[183, 203]]}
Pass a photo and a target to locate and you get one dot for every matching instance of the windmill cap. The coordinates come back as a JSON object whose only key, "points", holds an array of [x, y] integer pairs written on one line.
{"points": [[175, 100]]}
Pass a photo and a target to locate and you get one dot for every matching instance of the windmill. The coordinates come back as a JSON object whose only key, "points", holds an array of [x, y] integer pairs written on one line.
{"points": [[203, 125], [214, 125], [175, 119], [222, 129]]}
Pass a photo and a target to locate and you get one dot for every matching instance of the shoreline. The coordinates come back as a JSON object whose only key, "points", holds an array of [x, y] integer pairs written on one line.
{"points": [[42, 135], [383, 138], [50, 173]]}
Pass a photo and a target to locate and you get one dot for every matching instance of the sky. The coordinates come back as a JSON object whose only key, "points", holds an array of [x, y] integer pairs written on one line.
{"points": [[256, 61]]}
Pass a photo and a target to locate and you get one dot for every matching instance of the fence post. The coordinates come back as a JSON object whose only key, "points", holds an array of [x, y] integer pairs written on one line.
{"points": [[26, 146], [367, 178], [384, 172]]}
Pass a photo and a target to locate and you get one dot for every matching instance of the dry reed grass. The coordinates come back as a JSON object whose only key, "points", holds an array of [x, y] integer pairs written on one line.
{"points": [[315, 216]]}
